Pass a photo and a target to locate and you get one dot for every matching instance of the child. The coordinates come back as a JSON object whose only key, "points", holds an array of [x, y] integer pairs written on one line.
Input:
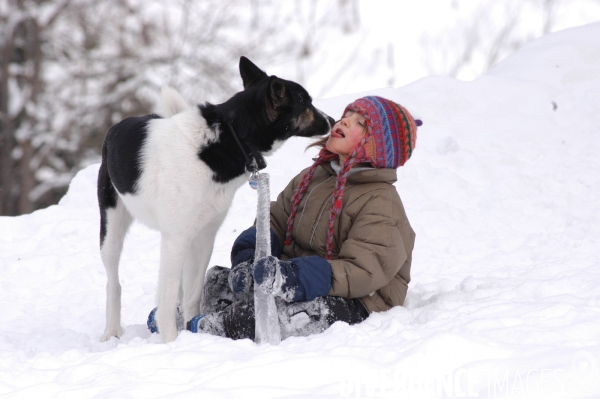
{"points": [[339, 235]]}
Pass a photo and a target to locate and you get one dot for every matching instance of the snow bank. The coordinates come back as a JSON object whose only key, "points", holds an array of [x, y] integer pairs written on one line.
{"points": [[503, 192]]}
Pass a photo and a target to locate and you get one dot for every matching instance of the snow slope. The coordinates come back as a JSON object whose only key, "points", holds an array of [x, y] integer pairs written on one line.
{"points": [[503, 191]]}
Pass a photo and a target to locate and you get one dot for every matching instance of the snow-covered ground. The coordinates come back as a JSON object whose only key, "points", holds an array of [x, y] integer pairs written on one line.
{"points": [[503, 191]]}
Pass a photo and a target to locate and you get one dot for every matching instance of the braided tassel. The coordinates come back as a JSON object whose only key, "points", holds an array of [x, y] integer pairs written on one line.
{"points": [[324, 155], [298, 194], [338, 194]]}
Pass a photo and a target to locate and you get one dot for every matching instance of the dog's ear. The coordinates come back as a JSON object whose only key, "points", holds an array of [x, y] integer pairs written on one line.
{"points": [[278, 93], [250, 73]]}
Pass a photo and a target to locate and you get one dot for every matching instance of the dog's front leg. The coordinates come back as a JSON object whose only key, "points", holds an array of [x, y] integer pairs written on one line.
{"points": [[172, 255], [196, 262]]}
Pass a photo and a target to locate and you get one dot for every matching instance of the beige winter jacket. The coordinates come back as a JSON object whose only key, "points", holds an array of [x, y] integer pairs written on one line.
{"points": [[373, 240]]}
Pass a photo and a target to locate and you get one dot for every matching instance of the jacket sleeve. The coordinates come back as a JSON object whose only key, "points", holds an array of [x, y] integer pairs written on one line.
{"points": [[282, 207], [373, 251]]}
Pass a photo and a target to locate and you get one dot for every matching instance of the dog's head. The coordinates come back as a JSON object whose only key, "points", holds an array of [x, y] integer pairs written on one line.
{"points": [[270, 110]]}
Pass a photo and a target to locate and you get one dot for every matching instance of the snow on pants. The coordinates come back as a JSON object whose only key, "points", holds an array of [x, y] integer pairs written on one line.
{"points": [[230, 315]]}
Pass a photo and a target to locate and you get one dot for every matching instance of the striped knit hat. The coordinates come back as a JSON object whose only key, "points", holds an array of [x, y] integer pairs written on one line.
{"points": [[388, 143]]}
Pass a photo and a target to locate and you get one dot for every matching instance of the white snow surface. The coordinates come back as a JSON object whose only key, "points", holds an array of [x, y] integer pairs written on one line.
{"points": [[503, 191]]}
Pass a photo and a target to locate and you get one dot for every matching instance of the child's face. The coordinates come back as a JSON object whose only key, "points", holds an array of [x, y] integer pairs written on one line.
{"points": [[346, 134]]}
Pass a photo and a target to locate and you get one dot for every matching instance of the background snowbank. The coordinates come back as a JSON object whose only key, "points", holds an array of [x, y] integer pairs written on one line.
{"points": [[503, 192]]}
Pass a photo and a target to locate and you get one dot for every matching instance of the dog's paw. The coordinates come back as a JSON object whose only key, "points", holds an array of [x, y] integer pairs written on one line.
{"points": [[169, 335], [166, 322], [111, 332]]}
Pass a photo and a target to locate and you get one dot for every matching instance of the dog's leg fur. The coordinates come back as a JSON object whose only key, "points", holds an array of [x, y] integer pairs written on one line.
{"points": [[196, 263], [117, 223], [173, 251]]}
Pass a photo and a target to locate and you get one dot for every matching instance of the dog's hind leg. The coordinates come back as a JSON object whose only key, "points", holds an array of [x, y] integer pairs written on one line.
{"points": [[114, 223], [196, 263]]}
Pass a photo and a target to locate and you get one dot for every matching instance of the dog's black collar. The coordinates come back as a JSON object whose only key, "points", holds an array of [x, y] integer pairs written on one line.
{"points": [[254, 159]]}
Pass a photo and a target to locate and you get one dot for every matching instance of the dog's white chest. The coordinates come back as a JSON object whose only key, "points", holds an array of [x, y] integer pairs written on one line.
{"points": [[176, 190]]}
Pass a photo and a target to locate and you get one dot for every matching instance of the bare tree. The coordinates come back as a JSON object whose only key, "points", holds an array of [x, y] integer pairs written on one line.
{"points": [[349, 14], [479, 41], [319, 19], [72, 68], [26, 24]]}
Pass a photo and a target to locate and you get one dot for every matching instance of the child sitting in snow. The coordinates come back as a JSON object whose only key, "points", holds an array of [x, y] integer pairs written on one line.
{"points": [[339, 235]]}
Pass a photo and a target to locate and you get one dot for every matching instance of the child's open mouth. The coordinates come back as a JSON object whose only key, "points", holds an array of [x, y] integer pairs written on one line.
{"points": [[338, 133]]}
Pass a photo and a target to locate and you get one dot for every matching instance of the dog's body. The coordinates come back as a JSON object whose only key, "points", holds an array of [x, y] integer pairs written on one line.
{"points": [[178, 175]]}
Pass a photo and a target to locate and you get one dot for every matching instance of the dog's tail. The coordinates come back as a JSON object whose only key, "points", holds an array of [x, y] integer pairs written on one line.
{"points": [[172, 102]]}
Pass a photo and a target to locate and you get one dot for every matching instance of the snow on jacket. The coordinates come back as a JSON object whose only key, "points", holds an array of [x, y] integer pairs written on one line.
{"points": [[373, 240]]}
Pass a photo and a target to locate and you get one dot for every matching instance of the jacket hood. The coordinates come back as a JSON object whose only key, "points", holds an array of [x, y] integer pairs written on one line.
{"points": [[371, 175]]}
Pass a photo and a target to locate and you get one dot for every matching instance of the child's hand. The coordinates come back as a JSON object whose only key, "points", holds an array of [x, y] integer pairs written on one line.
{"points": [[276, 277], [245, 245], [298, 279]]}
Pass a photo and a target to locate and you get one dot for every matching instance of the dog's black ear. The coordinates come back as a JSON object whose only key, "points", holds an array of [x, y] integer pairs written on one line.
{"points": [[250, 73], [278, 93]]}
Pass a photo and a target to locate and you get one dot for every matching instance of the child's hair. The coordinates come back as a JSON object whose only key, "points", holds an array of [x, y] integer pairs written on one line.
{"points": [[388, 143], [319, 143]]}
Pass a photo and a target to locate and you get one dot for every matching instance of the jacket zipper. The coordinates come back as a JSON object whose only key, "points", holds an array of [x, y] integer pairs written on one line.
{"points": [[314, 229]]}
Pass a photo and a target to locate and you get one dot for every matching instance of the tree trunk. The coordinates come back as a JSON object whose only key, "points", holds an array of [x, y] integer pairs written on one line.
{"points": [[27, 183], [7, 130], [28, 180]]}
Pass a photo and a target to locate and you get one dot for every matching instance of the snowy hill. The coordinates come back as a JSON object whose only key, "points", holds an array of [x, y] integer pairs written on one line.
{"points": [[503, 191]]}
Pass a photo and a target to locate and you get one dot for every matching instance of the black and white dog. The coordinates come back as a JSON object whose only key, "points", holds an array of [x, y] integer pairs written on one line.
{"points": [[178, 174]]}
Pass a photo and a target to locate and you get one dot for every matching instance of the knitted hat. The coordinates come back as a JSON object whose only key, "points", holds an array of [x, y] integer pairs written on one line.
{"points": [[388, 143]]}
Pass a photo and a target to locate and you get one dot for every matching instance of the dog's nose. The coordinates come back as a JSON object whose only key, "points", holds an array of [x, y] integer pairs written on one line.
{"points": [[331, 121]]}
